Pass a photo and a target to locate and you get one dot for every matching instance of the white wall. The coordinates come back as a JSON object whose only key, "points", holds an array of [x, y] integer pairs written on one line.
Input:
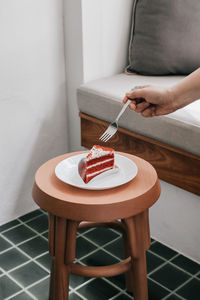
{"points": [[97, 34], [96, 41], [174, 220], [105, 30], [74, 65], [33, 123]]}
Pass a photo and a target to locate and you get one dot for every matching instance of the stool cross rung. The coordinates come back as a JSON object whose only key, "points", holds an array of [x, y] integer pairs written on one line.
{"points": [[102, 271]]}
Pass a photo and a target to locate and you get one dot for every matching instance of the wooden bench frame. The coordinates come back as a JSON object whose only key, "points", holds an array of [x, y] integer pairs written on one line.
{"points": [[173, 165]]}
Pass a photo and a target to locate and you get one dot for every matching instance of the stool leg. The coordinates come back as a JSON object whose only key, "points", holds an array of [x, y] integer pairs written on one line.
{"points": [[128, 274], [52, 222], [52, 280], [70, 245], [138, 237], [147, 230], [59, 285]]}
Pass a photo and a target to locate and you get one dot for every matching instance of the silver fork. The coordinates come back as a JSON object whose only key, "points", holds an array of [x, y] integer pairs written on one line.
{"points": [[112, 128]]}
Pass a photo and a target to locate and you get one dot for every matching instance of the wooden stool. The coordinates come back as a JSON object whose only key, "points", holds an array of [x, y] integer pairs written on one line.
{"points": [[124, 207]]}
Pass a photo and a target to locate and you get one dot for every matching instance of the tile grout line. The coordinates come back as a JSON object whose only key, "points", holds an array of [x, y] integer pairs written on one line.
{"points": [[99, 248], [90, 240], [20, 243], [29, 257], [119, 294], [17, 294], [75, 290], [20, 221], [150, 273], [35, 231], [33, 259], [23, 289], [26, 289], [115, 286], [77, 293], [165, 261], [173, 294], [7, 273], [37, 234], [171, 263], [182, 285], [158, 283]]}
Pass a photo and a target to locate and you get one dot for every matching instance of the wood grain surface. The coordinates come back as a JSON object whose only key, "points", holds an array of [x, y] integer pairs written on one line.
{"points": [[173, 165]]}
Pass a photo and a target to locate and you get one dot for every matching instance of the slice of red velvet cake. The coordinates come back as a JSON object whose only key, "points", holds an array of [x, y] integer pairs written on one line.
{"points": [[99, 160]]}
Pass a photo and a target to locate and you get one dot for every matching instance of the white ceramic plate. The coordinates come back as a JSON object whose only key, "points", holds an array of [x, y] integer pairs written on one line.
{"points": [[67, 171]]}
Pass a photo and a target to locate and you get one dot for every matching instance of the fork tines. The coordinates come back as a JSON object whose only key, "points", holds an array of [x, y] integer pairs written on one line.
{"points": [[108, 133]]}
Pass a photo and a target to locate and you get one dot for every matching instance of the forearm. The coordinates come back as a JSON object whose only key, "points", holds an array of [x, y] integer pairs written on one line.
{"points": [[187, 90]]}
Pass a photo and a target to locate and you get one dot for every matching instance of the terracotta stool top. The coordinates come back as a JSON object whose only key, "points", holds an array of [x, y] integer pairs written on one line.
{"points": [[70, 202]]}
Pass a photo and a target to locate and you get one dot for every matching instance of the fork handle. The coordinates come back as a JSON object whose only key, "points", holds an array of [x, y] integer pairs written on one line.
{"points": [[125, 105], [123, 109]]}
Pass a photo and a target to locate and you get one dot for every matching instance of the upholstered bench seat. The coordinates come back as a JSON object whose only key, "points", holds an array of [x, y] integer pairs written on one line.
{"points": [[102, 99]]}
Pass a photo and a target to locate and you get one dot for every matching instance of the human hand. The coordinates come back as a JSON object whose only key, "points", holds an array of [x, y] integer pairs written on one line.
{"points": [[151, 100]]}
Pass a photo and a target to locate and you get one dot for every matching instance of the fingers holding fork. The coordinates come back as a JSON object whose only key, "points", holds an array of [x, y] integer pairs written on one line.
{"points": [[137, 97]]}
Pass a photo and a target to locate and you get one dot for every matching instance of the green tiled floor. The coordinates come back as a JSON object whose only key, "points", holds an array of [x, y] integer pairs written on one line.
{"points": [[25, 265]]}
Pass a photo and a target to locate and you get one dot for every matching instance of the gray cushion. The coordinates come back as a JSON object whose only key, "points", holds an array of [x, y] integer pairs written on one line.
{"points": [[165, 37], [102, 98]]}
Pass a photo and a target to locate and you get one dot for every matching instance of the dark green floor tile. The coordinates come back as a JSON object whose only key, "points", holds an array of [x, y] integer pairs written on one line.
{"points": [[41, 290], [18, 234], [11, 259], [123, 297], [173, 297], [116, 248], [7, 287], [31, 215], [186, 264], [118, 280], [45, 260], [153, 261], [170, 276], [74, 296], [4, 244], [191, 290], [76, 280], [99, 258], [9, 225], [101, 235], [35, 246], [98, 289], [198, 276], [162, 250], [28, 274], [22, 296], [155, 291], [39, 224], [83, 247]]}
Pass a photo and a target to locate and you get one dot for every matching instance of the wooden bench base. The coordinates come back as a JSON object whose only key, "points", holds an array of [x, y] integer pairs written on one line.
{"points": [[173, 165]]}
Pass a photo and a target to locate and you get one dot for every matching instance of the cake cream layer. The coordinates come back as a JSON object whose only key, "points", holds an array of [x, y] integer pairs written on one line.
{"points": [[99, 159], [98, 172], [99, 163], [104, 164]]}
